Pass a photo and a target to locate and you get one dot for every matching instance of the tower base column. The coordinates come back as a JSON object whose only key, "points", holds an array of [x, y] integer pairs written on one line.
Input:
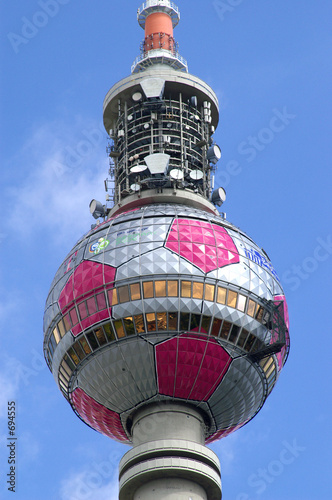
{"points": [[169, 459], [172, 489]]}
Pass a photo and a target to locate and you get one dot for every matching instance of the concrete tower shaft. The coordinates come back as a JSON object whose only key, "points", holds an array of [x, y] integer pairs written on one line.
{"points": [[169, 459]]}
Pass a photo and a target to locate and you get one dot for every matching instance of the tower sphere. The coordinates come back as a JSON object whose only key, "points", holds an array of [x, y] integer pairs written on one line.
{"points": [[165, 311], [166, 303]]}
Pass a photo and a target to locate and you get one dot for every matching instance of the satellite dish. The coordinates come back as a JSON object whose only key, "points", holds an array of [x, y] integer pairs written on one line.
{"points": [[130, 118], [135, 187], [193, 101], [137, 169], [97, 209], [218, 196], [137, 96], [196, 175], [214, 154], [176, 174]]}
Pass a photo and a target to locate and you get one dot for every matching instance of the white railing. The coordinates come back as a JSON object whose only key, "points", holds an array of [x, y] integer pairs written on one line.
{"points": [[152, 54], [154, 3]]}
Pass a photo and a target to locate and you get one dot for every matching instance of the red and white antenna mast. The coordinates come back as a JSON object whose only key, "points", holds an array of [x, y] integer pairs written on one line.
{"points": [[158, 18]]}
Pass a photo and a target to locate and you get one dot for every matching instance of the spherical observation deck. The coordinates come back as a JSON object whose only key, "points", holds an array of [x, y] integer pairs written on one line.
{"points": [[166, 303]]}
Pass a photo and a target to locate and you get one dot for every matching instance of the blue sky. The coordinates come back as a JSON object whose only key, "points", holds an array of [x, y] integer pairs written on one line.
{"points": [[270, 65]]}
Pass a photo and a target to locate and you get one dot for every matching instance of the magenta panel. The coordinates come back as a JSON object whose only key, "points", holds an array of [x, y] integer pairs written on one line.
{"points": [[206, 245], [190, 367], [86, 279], [91, 320], [223, 433], [98, 417]]}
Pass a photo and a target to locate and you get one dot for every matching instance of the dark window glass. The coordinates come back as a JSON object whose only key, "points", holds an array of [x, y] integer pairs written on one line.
{"points": [[173, 321], [79, 351], [184, 321], [109, 332], [194, 322], [225, 329], [139, 323], [151, 322], [216, 327], [85, 345], [99, 333], [242, 338], [259, 313], [92, 341], [206, 321], [119, 329], [250, 342], [129, 325], [258, 345], [69, 362], [162, 321], [266, 320], [234, 334], [73, 356]]}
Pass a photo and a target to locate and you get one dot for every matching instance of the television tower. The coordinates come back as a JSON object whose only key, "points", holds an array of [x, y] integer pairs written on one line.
{"points": [[166, 326]]}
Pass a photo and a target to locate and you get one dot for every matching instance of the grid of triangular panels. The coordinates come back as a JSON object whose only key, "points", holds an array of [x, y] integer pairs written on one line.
{"points": [[100, 295], [187, 369]]}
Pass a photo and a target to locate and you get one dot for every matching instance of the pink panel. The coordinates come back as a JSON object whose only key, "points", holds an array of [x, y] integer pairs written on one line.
{"points": [[91, 320], [98, 416], [87, 277], [223, 433], [190, 367], [207, 246]]}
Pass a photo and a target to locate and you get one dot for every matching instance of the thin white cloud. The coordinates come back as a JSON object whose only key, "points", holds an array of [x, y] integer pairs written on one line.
{"points": [[63, 167], [227, 450], [89, 485], [29, 448]]}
